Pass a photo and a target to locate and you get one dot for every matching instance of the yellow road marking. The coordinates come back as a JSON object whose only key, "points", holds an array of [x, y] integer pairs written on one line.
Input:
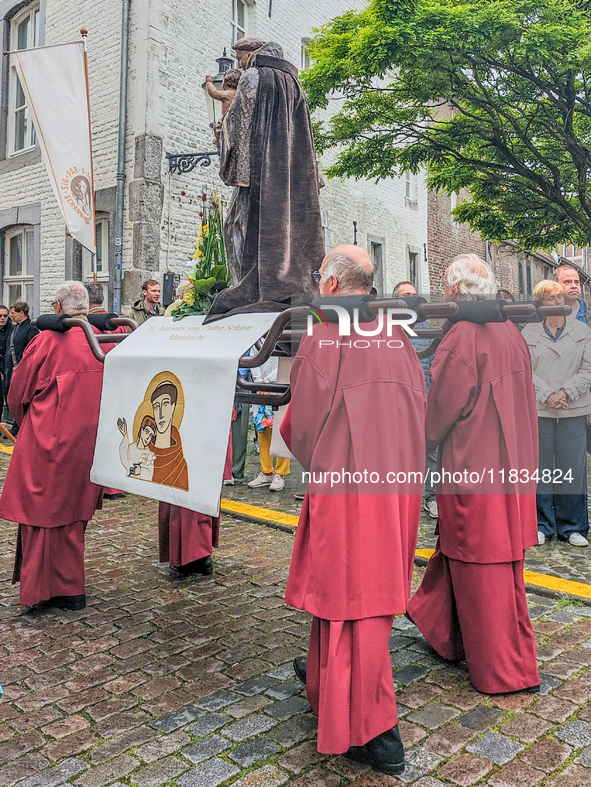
{"points": [[6, 449], [546, 581]]}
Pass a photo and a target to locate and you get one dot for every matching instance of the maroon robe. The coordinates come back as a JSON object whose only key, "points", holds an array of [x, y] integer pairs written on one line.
{"points": [[354, 409], [482, 414], [184, 535], [55, 397]]}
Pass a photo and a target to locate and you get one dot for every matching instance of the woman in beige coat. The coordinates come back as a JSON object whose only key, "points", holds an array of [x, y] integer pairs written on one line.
{"points": [[560, 350]]}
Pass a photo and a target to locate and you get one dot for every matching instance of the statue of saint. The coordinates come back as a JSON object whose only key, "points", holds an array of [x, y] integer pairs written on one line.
{"points": [[273, 228]]}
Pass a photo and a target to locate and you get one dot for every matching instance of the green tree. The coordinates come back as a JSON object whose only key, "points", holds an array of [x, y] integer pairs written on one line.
{"points": [[489, 95]]}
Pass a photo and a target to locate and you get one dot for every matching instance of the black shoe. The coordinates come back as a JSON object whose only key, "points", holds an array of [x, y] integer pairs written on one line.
{"points": [[408, 617], [203, 566], [384, 753], [69, 602], [115, 496], [532, 689], [300, 664]]}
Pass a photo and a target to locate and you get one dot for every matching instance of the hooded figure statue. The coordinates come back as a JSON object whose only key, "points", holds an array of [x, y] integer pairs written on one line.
{"points": [[273, 228]]}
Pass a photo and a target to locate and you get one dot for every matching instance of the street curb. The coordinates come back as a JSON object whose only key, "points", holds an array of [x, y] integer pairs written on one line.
{"points": [[542, 584]]}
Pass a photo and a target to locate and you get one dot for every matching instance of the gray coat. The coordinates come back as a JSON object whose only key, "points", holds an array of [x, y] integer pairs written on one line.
{"points": [[565, 363]]}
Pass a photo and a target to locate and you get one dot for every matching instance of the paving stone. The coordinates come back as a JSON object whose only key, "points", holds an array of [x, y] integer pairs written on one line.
{"points": [[411, 734], [19, 769], [553, 709], [285, 709], [449, 740], [495, 747], [547, 683], [108, 772], [208, 723], [210, 774], [56, 775], [584, 757], [516, 774], [526, 727], [464, 697], [576, 733], [347, 768], [433, 715], [122, 743], [397, 642], [572, 776], [251, 725], [318, 777], [251, 752], [481, 718], [175, 719], [284, 690], [162, 746], [418, 762], [248, 705], [297, 729], [159, 772], [267, 776], [408, 675], [464, 770], [547, 755], [283, 672], [206, 748], [217, 700], [19, 745]]}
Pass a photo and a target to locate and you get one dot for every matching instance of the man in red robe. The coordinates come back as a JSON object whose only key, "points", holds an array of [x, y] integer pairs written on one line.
{"points": [[55, 396], [357, 412], [482, 414]]}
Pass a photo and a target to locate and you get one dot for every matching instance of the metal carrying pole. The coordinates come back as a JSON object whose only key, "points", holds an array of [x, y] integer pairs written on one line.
{"points": [[119, 201]]}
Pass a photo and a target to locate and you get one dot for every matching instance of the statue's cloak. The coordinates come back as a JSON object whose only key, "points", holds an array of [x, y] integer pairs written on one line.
{"points": [[283, 241]]}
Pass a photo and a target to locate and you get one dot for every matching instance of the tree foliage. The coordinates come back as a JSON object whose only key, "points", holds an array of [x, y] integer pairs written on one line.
{"points": [[489, 95]]}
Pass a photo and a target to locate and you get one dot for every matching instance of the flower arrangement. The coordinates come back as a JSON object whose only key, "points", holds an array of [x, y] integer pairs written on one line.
{"points": [[210, 274]]}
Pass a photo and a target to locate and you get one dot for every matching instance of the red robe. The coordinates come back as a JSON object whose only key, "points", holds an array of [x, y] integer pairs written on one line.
{"points": [[354, 409], [55, 397], [482, 414]]}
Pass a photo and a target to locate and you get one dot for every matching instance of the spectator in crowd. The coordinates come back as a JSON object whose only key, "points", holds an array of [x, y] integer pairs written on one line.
{"points": [[96, 297], [406, 289], [560, 350], [21, 333], [5, 326], [149, 305], [263, 424], [504, 295], [55, 397], [568, 278]]}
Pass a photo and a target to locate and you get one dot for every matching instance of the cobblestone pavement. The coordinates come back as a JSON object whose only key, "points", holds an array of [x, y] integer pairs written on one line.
{"points": [[556, 558], [188, 682]]}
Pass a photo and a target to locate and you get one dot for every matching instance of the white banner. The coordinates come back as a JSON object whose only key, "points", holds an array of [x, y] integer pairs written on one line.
{"points": [[166, 408], [53, 79]]}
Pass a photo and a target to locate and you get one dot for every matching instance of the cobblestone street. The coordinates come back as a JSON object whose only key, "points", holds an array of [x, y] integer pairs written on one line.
{"points": [[188, 682]]}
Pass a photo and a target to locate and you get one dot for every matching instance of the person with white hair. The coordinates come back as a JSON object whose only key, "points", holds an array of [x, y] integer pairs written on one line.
{"points": [[481, 412], [55, 397]]}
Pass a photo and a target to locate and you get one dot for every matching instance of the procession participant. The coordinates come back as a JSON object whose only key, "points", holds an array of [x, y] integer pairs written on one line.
{"points": [[20, 334], [55, 397], [96, 296], [482, 414], [186, 538], [356, 405]]}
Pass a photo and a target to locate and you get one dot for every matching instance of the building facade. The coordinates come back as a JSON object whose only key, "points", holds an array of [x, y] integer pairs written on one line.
{"points": [[172, 46]]}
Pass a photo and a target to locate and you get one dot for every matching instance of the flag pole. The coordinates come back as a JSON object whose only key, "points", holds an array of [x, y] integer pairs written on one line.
{"points": [[84, 34]]}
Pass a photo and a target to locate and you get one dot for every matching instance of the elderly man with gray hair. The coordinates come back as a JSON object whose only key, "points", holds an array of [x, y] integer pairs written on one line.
{"points": [[55, 397], [481, 412]]}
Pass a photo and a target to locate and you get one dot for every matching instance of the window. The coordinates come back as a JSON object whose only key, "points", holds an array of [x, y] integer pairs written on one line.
{"points": [[376, 252], [239, 19], [325, 230], [413, 268], [528, 279], [102, 257], [408, 184], [19, 245], [305, 61], [24, 34], [520, 278]]}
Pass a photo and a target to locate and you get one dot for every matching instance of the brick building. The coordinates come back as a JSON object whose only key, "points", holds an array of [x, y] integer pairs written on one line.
{"points": [[172, 46]]}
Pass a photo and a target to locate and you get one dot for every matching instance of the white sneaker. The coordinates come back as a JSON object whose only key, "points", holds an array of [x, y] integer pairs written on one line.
{"points": [[577, 540], [261, 480], [229, 482], [431, 507], [541, 538], [277, 483]]}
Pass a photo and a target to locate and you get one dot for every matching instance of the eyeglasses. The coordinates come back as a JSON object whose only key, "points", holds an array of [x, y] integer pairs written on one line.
{"points": [[317, 276]]}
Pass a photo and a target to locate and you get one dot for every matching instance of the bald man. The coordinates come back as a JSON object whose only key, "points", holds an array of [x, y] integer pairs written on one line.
{"points": [[357, 407], [482, 414]]}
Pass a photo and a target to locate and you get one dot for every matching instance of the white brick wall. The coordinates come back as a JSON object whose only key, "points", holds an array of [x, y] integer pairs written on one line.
{"points": [[173, 44]]}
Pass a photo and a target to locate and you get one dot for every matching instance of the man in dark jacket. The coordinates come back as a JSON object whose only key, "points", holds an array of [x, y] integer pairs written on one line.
{"points": [[5, 325], [21, 333]]}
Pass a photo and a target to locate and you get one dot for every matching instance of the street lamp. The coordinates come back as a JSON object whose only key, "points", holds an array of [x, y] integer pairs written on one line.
{"points": [[214, 108]]}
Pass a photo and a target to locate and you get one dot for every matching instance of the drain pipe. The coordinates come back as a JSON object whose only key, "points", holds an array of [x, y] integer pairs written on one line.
{"points": [[120, 195]]}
